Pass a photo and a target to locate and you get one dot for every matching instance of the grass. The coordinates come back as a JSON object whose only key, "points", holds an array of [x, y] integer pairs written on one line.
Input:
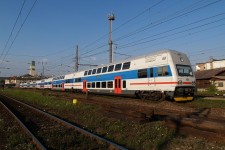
{"points": [[152, 135], [206, 103]]}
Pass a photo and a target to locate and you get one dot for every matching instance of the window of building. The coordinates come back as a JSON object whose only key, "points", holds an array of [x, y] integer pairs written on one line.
{"points": [[126, 65], [220, 84], [104, 69], [142, 73], [94, 71], [111, 68], [103, 84], [110, 84], [118, 67]]}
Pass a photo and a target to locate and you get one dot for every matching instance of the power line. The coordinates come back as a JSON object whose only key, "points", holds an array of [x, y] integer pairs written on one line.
{"points": [[141, 41], [18, 31], [10, 35], [159, 22], [129, 20]]}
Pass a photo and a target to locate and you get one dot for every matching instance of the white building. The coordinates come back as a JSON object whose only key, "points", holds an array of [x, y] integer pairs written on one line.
{"points": [[211, 64], [32, 71]]}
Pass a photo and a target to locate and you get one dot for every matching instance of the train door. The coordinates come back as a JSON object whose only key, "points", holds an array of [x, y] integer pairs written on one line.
{"points": [[84, 86], [151, 78], [52, 86], [63, 89], [117, 85]]}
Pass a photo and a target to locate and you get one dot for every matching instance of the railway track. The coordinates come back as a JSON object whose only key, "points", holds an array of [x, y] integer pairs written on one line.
{"points": [[51, 132], [204, 122]]}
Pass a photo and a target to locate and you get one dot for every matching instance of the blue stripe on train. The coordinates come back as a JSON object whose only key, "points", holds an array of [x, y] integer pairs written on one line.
{"points": [[133, 74]]}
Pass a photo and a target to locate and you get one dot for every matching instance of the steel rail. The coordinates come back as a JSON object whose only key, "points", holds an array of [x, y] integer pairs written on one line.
{"points": [[81, 130], [34, 139]]}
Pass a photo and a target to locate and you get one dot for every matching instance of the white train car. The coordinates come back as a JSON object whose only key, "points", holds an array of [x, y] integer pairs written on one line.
{"points": [[73, 81], [39, 84], [163, 74], [48, 83], [166, 73]]}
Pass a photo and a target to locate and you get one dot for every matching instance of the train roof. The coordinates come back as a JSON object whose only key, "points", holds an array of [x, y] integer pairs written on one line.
{"points": [[138, 57]]}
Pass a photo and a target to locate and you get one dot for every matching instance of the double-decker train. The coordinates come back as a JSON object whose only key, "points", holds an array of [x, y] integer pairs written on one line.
{"points": [[165, 74]]}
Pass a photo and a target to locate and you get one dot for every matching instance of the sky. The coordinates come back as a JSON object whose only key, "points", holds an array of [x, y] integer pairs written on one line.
{"points": [[48, 32]]}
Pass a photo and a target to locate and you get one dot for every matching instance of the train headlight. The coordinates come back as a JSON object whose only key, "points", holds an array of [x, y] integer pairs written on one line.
{"points": [[181, 59], [180, 82]]}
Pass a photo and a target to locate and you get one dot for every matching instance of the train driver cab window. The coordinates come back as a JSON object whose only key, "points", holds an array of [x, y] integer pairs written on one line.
{"points": [[184, 70], [94, 71], [118, 67], [111, 68], [142, 73], [126, 65], [89, 72], [99, 70], [104, 69]]}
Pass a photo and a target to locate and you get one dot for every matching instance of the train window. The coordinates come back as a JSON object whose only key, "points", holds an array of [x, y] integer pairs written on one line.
{"points": [[99, 70], [85, 73], [78, 80], [110, 84], [103, 84], [124, 84], [97, 84], [88, 85], [104, 69], [89, 72], [142, 73], [184, 70], [151, 72], [118, 67], [163, 71], [94, 71], [126, 65], [93, 84], [111, 68]]}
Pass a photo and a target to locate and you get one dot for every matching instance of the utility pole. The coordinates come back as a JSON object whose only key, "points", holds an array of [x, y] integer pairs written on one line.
{"points": [[111, 17], [76, 60]]}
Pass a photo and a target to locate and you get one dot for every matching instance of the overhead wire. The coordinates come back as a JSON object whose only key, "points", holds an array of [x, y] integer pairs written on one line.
{"points": [[159, 22], [183, 13], [18, 32], [10, 35]]}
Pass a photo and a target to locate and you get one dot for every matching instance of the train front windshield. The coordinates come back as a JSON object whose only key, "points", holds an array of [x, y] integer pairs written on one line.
{"points": [[184, 70]]}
